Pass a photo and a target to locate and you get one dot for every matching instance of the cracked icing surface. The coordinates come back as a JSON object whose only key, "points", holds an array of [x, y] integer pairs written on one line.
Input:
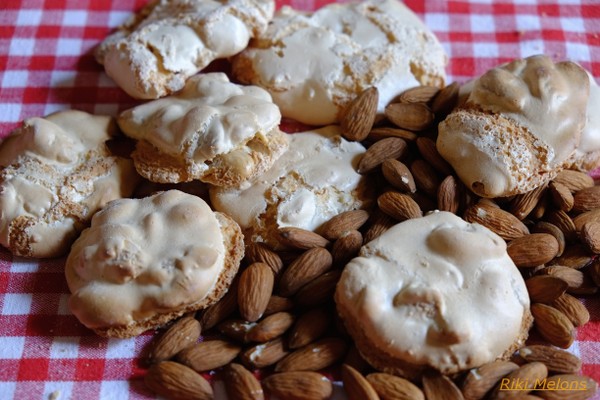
{"points": [[313, 64], [314, 180], [171, 40]]}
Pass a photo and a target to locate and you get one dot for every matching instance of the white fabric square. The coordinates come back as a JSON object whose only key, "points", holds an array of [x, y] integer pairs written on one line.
{"points": [[577, 52], [15, 78], [11, 347], [438, 22], [60, 390], [62, 78], [485, 50], [64, 347], [482, 23], [29, 17], [22, 265], [68, 47], [7, 389], [117, 18], [114, 390], [53, 107], [121, 348], [21, 47], [572, 24], [531, 47], [527, 22], [17, 303], [11, 112], [75, 18]]}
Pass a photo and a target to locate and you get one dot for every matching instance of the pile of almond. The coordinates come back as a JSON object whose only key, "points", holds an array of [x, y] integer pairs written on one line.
{"points": [[278, 321]]}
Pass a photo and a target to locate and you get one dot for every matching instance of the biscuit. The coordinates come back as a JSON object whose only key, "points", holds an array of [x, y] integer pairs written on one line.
{"points": [[212, 130], [314, 180], [144, 262], [314, 64], [153, 54], [56, 173], [449, 297], [518, 128]]}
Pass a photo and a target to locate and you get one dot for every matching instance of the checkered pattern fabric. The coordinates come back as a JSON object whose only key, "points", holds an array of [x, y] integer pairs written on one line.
{"points": [[46, 64]]}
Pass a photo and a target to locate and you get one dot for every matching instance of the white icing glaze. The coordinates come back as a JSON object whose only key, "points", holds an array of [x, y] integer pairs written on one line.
{"points": [[436, 291], [142, 257], [314, 64], [590, 138], [311, 182]]}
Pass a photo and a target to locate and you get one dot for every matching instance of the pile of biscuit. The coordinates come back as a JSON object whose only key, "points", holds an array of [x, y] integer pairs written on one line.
{"points": [[424, 227]]}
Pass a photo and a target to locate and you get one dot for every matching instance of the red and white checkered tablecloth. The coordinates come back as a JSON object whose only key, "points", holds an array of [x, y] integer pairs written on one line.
{"points": [[46, 64]]}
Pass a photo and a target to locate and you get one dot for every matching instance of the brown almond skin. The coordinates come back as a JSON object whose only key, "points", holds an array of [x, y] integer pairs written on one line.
{"points": [[298, 385], [586, 388], [222, 309], [547, 227], [346, 247], [545, 288], [390, 387], [425, 176], [397, 174], [527, 375], [572, 308], [556, 360], [260, 252], [318, 291], [314, 356], [501, 222], [587, 199], [270, 327], [278, 304], [302, 239], [359, 115], [356, 386], [439, 387], [445, 100], [344, 222], [309, 327], [480, 381], [410, 116], [209, 355], [176, 381], [399, 206], [183, 333], [264, 354], [380, 151], [448, 195], [309, 265], [574, 180], [254, 290], [561, 196], [553, 325], [533, 249], [590, 235], [419, 94], [429, 152], [525, 203], [241, 384]]}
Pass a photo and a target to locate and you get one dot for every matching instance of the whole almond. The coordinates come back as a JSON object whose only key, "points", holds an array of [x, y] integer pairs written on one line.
{"points": [[590, 235], [302, 239], [313, 356], [583, 218], [270, 327], [264, 354], [209, 354], [445, 100], [480, 381], [574, 180], [429, 152], [236, 329], [448, 195], [561, 196], [553, 325], [568, 387], [520, 381], [254, 290], [342, 223], [523, 204], [356, 386], [587, 199], [572, 308], [399, 206], [575, 256], [222, 309], [260, 252], [309, 327], [439, 387], [380, 151], [277, 304], [545, 288], [564, 223], [309, 265], [241, 384], [418, 94], [384, 132], [532, 250], [573, 277], [556, 360], [501, 222], [183, 333], [390, 387], [410, 116], [547, 227], [380, 222], [346, 247], [318, 291], [298, 385], [359, 116], [398, 175], [176, 381], [425, 177]]}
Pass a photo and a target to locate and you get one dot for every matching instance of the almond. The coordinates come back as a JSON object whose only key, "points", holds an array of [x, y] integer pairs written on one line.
{"points": [[545, 288], [343, 222], [590, 235], [209, 354], [547, 227], [309, 265], [298, 385], [520, 381], [236, 329], [575, 256], [346, 247], [356, 386], [577, 313], [390, 387], [264, 354], [399, 206], [183, 333], [564, 223], [380, 223], [523, 204], [583, 218], [561, 196], [260, 252], [429, 152], [313, 356], [398, 175], [302, 239], [419, 94], [380, 151], [270, 327], [309, 327], [448, 195], [567, 387], [556, 360], [377, 134], [221, 309], [587, 199], [501, 222], [254, 290], [445, 100], [410, 116], [553, 325], [277, 304], [480, 381], [319, 290], [359, 115], [241, 384], [594, 271], [573, 277], [574, 180], [439, 387], [425, 177], [176, 381], [532, 250]]}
